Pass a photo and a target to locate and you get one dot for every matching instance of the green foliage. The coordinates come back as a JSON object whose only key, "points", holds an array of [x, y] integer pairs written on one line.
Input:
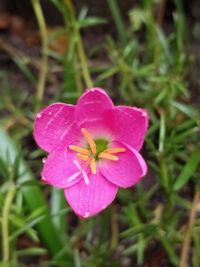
{"points": [[142, 66]]}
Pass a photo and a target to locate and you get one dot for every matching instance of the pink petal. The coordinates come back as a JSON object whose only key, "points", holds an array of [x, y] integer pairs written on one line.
{"points": [[52, 126], [88, 200], [59, 169], [128, 125], [91, 106], [125, 172]]}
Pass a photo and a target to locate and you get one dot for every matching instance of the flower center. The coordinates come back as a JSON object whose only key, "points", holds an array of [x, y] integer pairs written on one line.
{"points": [[96, 149], [101, 145]]}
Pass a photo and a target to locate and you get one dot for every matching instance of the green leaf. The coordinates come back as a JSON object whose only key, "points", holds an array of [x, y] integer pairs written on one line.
{"points": [[147, 229], [116, 13], [31, 251], [58, 203], [188, 170], [91, 21], [33, 196], [20, 223], [186, 109]]}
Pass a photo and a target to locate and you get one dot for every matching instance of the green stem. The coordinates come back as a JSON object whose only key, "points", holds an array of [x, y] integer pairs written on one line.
{"points": [[118, 21], [164, 173], [162, 132], [83, 60], [80, 48], [5, 223], [188, 235], [114, 228], [44, 39]]}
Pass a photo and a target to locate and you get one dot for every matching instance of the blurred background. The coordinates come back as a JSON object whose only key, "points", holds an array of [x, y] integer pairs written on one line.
{"points": [[143, 53]]}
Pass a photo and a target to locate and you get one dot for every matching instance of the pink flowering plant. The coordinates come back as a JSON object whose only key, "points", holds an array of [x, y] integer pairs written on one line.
{"points": [[93, 149]]}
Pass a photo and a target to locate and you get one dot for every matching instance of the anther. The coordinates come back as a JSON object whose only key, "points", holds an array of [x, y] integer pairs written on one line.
{"points": [[90, 140], [104, 155], [83, 157], [114, 150], [81, 150], [93, 166]]}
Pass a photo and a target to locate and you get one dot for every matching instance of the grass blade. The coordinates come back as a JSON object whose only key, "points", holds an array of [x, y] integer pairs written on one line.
{"points": [[188, 170], [118, 21], [33, 196]]}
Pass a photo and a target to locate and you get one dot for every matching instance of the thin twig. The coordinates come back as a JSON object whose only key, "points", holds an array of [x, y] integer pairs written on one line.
{"points": [[5, 223], [13, 52], [44, 39], [114, 228], [187, 240], [160, 12], [83, 60]]}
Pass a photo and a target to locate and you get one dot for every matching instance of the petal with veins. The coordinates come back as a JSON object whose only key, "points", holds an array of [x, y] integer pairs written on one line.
{"points": [[88, 200], [54, 125], [128, 125], [91, 106], [59, 169]]}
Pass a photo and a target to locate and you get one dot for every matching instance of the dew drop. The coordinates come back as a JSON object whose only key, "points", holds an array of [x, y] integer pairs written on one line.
{"points": [[39, 115], [144, 114], [50, 112], [86, 215], [43, 160]]}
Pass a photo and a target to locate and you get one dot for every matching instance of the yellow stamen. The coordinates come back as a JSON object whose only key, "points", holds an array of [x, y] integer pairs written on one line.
{"points": [[93, 166], [90, 140], [83, 157], [81, 150], [114, 150], [104, 155]]}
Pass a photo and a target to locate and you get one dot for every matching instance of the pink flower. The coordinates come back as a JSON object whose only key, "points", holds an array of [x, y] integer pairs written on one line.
{"points": [[93, 149]]}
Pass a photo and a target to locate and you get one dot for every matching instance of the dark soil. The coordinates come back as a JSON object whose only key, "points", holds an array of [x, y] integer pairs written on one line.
{"points": [[18, 28]]}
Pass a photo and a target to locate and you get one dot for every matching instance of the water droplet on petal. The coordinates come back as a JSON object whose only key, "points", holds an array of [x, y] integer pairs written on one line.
{"points": [[43, 160], [86, 215], [39, 115], [144, 114], [50, 112]]}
